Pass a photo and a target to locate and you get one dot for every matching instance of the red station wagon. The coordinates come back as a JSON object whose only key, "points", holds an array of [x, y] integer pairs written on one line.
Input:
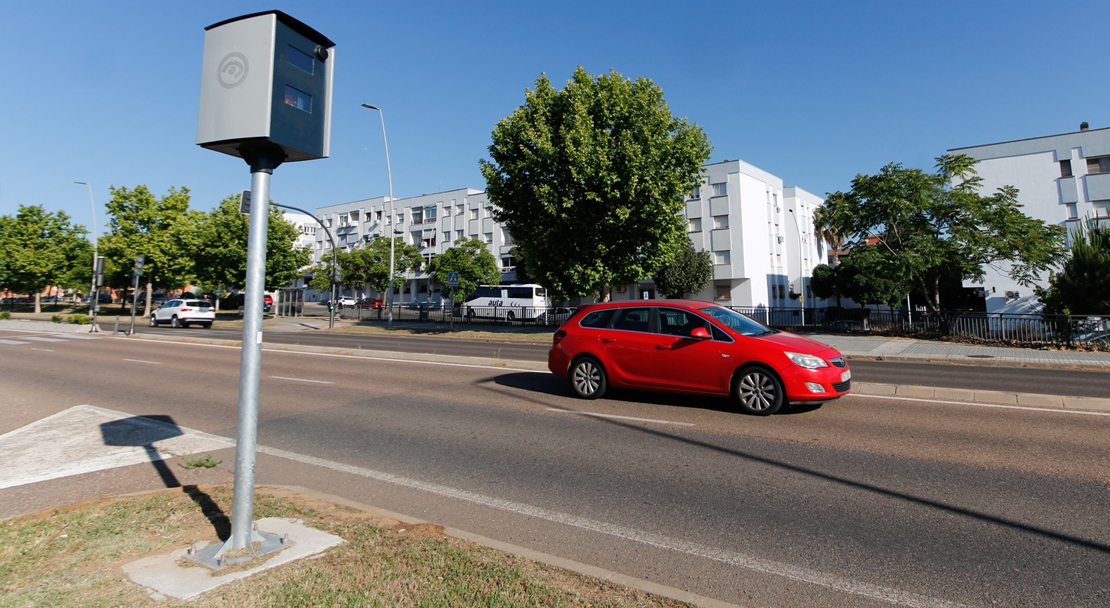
{"points": [[696, 347]]}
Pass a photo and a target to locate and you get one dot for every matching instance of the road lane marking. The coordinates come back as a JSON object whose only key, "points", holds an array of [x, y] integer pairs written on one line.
{"points": [[78, 337], [11, 342], [725, 556], [595, 414], [994, 405], [41, 339], [301, 380], [142, 361], [45, 350]]}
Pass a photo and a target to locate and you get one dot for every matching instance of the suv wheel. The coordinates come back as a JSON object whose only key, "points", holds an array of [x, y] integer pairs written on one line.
{"points": [[153, 321], [174, 322]]}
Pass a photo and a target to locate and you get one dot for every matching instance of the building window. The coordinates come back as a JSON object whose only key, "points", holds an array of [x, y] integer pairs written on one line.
{"points": [[695, 224], [720, 189], [474, 213], [487, 237], [430, 215], [429, 241], [722, 292], [720, 221], [696, 193], [722, 257], [458, 209], [1073, 212], [458, 235], [1098, 165], [1065, 168], [447, 236]]}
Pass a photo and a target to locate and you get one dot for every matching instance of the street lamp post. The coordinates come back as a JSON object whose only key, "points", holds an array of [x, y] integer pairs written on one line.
{"points": [[392, 238], [94, 292], [801, 267]]}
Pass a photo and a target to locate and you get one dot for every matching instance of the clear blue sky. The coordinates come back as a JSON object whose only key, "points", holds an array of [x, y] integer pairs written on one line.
{"points": [[106, 92]]}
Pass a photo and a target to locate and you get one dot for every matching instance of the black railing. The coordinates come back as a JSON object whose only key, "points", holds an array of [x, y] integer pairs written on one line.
{"points": [[549, 316]]}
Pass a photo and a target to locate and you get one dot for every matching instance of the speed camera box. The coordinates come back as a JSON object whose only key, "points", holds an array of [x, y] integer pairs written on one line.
{"points": [[266, 79]]}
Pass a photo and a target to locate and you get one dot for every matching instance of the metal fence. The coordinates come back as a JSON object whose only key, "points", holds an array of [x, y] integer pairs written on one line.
{"points": [[532, 316], [1014, 329]]}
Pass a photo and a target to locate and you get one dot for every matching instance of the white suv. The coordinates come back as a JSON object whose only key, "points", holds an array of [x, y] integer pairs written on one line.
{"points": [[182, 313]]}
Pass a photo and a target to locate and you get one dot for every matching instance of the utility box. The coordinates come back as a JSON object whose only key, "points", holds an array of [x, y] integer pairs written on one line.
{"points": [[266, 82]]}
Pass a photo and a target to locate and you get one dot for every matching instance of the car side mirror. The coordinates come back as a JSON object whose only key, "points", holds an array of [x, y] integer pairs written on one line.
{"points": [[699, 333]]}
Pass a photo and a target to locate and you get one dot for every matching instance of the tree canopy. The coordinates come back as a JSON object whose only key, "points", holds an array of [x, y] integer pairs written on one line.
{"points": [[590, 181], [1083, 285], [369, 265], [688, 272], [220, 247], [39, 249], [159, 229], [911, 229], [474, 263]]}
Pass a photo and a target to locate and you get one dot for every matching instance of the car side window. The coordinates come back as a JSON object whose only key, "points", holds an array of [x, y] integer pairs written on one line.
{"points": [[675, 322], [633, 319], [597, 319]]}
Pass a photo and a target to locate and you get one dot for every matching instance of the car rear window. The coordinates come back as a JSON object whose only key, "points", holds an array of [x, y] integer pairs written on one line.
{"points": [[632, 319], [196, 303]]}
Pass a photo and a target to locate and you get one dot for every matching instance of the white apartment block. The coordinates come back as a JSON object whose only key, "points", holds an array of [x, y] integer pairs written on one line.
{"points": [[307, 226], [1061, 179], [759, 233]]}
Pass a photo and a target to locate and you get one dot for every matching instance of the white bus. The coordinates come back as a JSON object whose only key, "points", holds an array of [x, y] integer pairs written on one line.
{"points": [[506, 302]]}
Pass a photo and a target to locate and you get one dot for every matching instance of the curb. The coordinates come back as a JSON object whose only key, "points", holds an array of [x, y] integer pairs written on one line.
{"points": [[536, 556], [48, 326], [1063, 402], [964, 360]]}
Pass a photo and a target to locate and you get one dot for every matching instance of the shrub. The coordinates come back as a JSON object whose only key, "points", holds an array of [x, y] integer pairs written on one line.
{"points": [[56, 318], [79, 319], [5, 315]]}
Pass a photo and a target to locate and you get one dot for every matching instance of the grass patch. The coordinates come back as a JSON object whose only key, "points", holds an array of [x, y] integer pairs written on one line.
{"points": [[72, 556], [194, 462]]}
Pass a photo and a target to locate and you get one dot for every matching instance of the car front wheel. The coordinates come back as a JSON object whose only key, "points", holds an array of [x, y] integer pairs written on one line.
{"points": [[757, 391], [588, 378], [153, 321]]}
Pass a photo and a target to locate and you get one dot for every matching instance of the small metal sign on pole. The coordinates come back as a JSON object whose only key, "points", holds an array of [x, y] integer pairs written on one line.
{"points": [[135, 291], [452, 281]]}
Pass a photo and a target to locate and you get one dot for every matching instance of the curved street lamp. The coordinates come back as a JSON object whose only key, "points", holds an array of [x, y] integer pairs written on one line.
{"points": [[801, 266], [94, 292], [392, 226]]}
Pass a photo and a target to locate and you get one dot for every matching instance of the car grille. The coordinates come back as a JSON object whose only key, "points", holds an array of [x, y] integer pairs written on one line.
{"points": [[840, 387], [838, 361]]}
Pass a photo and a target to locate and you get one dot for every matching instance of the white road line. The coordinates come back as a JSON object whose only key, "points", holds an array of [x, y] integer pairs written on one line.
{"points": [[563, 411], [76, 337], [41, 339], [11, 342], [1048, 410], [301, 380], [798, 573], [45, 350], [141, 361]]}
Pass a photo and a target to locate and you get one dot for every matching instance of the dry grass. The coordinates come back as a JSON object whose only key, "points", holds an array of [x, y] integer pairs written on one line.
{"points": [[72, 557]]}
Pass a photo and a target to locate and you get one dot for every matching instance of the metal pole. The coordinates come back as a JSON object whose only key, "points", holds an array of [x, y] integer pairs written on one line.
{"points": [[94, 292], [392, 239], [801, 267], [134, 300], [242, 510]]}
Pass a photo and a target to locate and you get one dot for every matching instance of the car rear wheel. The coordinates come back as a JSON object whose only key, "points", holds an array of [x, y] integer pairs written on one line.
{"points": [[588, 378], [174, 322], [758, 391], [206, 325]]}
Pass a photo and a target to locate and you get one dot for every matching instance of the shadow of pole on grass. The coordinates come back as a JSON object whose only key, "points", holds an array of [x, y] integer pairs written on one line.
{"points": [[143, 432]]}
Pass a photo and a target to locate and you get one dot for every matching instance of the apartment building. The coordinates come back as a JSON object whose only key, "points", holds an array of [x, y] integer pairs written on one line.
{"points": [[759, 233], [1061, 179]]}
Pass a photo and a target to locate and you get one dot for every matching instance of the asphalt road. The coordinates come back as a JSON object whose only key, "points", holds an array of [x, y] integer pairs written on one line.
{"points": [[1078, 383], [860, 502]]}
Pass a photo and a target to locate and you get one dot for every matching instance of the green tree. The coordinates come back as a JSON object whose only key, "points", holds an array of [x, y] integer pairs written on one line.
{"points": [[928, 226], [159, 229], [1083, 285], [871, 275], [220, 247], [474, 263], [826, 282], [688, 272], [590, 181], [369, 265], [38, 249]]}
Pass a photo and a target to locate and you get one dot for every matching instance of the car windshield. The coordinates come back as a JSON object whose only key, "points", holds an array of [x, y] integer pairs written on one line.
{"points": [[737, 322]]}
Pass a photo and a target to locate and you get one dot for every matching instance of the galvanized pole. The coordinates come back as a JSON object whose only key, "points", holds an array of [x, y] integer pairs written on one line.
{"points": [[94, 291], [242, 510]]}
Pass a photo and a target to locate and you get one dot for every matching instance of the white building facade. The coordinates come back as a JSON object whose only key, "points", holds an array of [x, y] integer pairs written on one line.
{"points": [[1061, 179], [760, 236]]}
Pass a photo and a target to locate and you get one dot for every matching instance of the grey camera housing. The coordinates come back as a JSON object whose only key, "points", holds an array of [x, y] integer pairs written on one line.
{"points": [[266, 83]]}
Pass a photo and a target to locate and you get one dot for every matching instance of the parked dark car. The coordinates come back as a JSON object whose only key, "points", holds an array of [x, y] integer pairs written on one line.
{"points": [[695, 347]]}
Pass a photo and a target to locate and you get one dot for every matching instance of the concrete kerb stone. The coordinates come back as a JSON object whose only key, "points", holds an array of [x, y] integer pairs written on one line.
{"points": [[47, 326], [954, 394], [1087, 403]]}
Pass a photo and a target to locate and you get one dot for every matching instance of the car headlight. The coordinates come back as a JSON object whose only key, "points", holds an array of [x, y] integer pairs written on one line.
{"points": [[806, 361]]}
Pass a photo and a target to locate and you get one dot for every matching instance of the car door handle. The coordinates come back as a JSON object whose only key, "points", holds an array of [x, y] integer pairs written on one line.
{"points": [[662, 347], [608, 340]]}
